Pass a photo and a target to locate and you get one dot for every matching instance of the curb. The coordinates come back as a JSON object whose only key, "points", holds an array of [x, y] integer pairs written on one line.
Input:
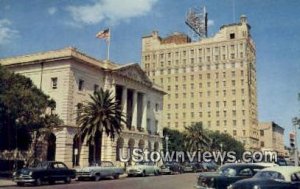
{"points": [[6, 182]]}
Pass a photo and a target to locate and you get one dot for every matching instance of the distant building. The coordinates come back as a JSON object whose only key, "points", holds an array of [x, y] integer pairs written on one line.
{"points": [[69, 76], [212, 81], [272, 138]]}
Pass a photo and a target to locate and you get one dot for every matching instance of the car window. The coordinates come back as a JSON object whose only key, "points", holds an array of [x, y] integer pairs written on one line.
{"points": [[270, 175], [59, 166], [229, 172], [245, 172], [106, 164], [43, 165]]}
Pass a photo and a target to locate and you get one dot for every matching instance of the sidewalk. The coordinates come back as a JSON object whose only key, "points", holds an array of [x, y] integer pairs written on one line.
{"points": [[6, 182]]}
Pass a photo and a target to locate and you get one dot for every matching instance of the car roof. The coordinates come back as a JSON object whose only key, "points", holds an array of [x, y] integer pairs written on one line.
{"points": [[267, 164], [286, 171], [242, 165]]}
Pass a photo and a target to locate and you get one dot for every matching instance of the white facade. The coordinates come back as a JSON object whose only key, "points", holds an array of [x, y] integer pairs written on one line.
{"points": [[69, 76]]}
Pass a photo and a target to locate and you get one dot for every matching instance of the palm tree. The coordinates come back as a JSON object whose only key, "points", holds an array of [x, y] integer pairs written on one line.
{"points": [[101, 114], [196, 138]]}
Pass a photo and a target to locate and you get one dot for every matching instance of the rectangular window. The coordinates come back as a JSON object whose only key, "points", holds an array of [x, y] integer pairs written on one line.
{"points": [[54, 82], [232, 36], [96, 87], [234, 132], [156, 107], [80, 85]]}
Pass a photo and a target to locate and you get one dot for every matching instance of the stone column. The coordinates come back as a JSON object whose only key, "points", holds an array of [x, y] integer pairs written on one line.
{"points": [[124, 102], [106, 149], [64, 147], [134, 112], [144, 118], [84, 155]]}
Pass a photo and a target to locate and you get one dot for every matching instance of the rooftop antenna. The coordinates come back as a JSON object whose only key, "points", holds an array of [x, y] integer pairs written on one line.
{"points": [[196, 19]]}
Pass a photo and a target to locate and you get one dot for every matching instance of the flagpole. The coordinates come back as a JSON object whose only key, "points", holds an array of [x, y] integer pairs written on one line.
{"points": [[108, 44]]}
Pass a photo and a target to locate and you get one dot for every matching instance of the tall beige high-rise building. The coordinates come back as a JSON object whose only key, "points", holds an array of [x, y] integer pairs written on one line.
{"points": [[212, 80]]}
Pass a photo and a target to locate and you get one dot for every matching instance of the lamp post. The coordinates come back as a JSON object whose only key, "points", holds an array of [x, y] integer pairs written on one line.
{"points": [[167, 143], [296, 122]]}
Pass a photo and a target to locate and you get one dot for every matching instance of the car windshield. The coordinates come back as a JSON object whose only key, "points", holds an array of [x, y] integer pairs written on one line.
{"points": [[269, 175], [228, 171], [144, 163], [42, 165]]}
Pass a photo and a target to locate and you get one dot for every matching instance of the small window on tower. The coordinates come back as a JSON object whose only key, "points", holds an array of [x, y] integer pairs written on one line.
{"points": [[232, 36], [54, 82]]}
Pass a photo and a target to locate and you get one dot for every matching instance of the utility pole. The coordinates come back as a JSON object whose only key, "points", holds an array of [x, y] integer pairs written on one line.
{"points": [[296, 123]]}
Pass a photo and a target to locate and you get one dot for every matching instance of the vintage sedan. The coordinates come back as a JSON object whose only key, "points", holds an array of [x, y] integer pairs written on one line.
{"points": [[96, 171], [48, 171], [143, 169], [171, 168], [188, 167], [273, 177], [226, 175]]}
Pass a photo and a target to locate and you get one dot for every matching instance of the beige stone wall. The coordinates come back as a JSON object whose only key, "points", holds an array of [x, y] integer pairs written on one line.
{"points": [[212, 81], [272, 137]]}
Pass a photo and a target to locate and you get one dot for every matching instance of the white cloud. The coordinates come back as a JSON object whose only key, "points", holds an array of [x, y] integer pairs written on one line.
{"points": [[111, 11], [52, 10], [210, 23], [6, 32]]}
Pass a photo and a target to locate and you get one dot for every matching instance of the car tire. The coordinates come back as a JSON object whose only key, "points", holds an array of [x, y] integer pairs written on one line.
{"points": [[20, 184], [156, 173], [143, 174], [116, 176], [68, 180], [38, 182], [97, 177], [51, 182]]}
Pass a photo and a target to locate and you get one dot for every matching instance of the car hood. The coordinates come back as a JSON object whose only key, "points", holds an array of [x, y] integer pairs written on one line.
{"points": [[87, 169], [252, 181], [209, 174], [26, 171], [135, 167]]}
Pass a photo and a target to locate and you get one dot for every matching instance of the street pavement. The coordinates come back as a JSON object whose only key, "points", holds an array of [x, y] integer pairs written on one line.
{"points": [[180, 181]]}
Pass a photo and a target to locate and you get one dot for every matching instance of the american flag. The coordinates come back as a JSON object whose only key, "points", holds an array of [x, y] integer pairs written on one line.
{"points": [[104, 34]]}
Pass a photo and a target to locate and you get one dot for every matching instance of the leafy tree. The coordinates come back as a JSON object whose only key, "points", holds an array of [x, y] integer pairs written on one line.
{"points": [[22, 110], [176, 140], [196, 137], [101, 115], [228, 143]]}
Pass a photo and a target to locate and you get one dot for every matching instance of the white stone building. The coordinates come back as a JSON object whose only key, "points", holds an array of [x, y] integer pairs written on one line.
{"points": [[69, 76]]}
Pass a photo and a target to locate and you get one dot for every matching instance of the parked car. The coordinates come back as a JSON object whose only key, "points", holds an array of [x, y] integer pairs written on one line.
{"points": [[143, 169], [96, 171], [48, 171], [197, 167], [209, 166], [226, 175], [171, 168], [188, 167], [279, 177]]}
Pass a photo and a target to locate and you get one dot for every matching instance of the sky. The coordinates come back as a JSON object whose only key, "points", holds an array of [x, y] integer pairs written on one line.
{"points": [[29, 26]]}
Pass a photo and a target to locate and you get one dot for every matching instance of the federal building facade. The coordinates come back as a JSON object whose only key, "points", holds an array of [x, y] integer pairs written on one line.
{"points": [[69, 76], [212, 80]]}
